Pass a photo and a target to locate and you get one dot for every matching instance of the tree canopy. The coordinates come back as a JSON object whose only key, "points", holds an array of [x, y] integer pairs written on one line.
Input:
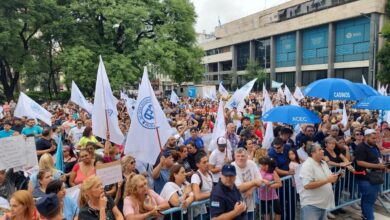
{"points": [[40, 40], [384, 53]]}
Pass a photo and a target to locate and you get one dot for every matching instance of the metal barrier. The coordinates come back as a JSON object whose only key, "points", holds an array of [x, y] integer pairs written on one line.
{"points": [[345, 190]]}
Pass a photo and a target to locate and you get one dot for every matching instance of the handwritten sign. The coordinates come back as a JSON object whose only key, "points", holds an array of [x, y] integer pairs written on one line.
{"points": [[109, 173], [12, 152], [30, 153]]}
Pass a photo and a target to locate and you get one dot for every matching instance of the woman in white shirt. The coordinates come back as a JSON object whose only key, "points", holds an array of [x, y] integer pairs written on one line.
{"points": [[178, 191]]}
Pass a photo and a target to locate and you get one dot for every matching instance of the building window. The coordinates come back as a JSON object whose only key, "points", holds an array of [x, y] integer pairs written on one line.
{"points": [[352, 40], [242, 55], [352, 74], [213, 67], [315, 46], [311, 76], [286, 78], [263, 52], [285, 50], [226, 66]]}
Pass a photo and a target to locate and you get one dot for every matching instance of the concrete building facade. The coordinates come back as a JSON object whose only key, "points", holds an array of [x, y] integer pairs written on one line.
{"points": [[299, 42]]}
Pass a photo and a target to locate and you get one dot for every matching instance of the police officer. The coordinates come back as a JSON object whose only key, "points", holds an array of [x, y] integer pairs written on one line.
{"points": [[226, 200]]}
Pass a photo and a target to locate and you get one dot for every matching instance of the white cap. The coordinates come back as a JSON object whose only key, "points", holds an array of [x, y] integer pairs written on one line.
{"points": [[369, 131], [221, 142]]}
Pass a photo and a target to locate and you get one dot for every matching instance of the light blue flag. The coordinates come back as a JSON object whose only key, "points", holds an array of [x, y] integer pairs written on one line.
{"points": [[59, 155]]}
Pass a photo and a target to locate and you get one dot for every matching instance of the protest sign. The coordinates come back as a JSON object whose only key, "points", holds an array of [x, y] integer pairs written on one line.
{"points": [[109, 173], [12, 152]]}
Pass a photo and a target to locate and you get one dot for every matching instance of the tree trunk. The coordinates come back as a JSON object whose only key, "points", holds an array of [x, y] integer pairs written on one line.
{"points": [[8, 79]]}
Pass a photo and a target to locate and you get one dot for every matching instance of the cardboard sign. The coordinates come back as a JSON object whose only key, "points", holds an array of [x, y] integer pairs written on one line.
{"points": [[109, 173]]}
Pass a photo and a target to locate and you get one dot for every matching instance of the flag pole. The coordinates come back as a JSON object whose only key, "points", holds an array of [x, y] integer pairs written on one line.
{"points": [[155, 121], [104, 98]]}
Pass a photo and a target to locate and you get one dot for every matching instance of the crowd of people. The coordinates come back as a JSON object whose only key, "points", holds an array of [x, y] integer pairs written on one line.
{"points": [[240, 178]]}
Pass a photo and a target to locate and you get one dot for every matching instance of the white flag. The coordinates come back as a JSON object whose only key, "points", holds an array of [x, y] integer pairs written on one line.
{"points": [[269, 136], [281, 93], [104, 111], [130, 103], [298, 94], [363, 80], [78, 98], [174, 98], [220, 126], [267, 103], [222, 90], [265, 92], [148, 115], [344, 121], [293, 101], [288, 94], [275, 84], [29, 108], [240, 95]]}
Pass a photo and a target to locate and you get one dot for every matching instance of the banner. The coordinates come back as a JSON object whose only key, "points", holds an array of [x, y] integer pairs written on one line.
{"points": [[148, 121], [29, 108], [105, 113], [78, 98]]}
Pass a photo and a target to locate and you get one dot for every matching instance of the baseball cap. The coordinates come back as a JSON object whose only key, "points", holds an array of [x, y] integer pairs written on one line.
{"points": [[369, 131], [334, 127], [221, 142], [228, 170], [48, 205]]}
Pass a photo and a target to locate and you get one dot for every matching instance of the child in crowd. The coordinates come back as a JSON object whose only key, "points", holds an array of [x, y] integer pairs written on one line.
{"points": [[267, 194]]}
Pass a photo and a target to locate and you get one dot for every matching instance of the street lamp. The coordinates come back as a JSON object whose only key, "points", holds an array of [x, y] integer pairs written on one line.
{"points": [[374, 48]]}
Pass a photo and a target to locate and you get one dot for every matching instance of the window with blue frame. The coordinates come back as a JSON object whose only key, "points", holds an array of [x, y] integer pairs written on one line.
{"points": [[285, 50], [242, 55], [352, 40], [315, 46], [311, 76]]}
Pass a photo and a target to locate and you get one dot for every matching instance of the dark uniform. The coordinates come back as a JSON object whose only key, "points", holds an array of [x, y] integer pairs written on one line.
{"points": [[223, 199]]}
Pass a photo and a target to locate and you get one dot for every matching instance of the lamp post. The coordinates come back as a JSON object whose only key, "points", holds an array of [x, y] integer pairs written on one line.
{"points": [[374, 48]]}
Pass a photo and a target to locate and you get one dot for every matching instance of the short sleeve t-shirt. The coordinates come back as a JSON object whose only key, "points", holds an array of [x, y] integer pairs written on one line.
{"points": [[34, 131], [246, 174], [4, 133], [370, 154], [217, 158], [130, 208], [84, 140], [207, 185], [170, 189], [87, 213]]}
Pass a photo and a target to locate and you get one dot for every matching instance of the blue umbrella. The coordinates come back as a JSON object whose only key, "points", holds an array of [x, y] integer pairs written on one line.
{"points": [[367, 90], [378, 102], [291, 114], [334, 89]]}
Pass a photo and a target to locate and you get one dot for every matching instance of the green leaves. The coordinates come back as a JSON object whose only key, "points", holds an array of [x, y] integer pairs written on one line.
{"points": [[43, 39]]}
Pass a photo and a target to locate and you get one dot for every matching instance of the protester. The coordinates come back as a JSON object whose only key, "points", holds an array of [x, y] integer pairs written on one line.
{"points": [[88, 137], [368, 159], [49, 207], [83, 169], [218, 158], [94, 204], [44, 177], [7, 187], [141, 202], [22, 207], [317, 194], [7, 131], [67, 205], [226, 200], [161, 171], [177, 191]]}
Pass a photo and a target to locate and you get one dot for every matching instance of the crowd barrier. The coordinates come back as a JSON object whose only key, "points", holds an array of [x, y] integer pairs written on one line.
{"points": [[345, 190]]}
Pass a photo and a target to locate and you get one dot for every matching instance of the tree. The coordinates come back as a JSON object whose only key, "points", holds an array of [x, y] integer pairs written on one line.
{"points": [[384, 53], [253, 70], [41, 39]]}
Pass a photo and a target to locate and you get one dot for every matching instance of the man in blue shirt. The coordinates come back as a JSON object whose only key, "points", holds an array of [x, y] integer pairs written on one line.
{"points": [[279, 152], [195, 138], [7, 132], [31, 129], [225, 200]]}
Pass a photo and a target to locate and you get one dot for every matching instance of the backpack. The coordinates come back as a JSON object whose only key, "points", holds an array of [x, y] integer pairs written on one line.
{"points": [[200, 177]]}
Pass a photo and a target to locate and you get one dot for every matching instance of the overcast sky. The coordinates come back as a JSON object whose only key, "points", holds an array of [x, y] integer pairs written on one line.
{"points": [[227, 10]]}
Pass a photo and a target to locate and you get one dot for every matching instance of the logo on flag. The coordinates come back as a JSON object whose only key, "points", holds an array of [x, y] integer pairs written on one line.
{"points": [[145, 113]]}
